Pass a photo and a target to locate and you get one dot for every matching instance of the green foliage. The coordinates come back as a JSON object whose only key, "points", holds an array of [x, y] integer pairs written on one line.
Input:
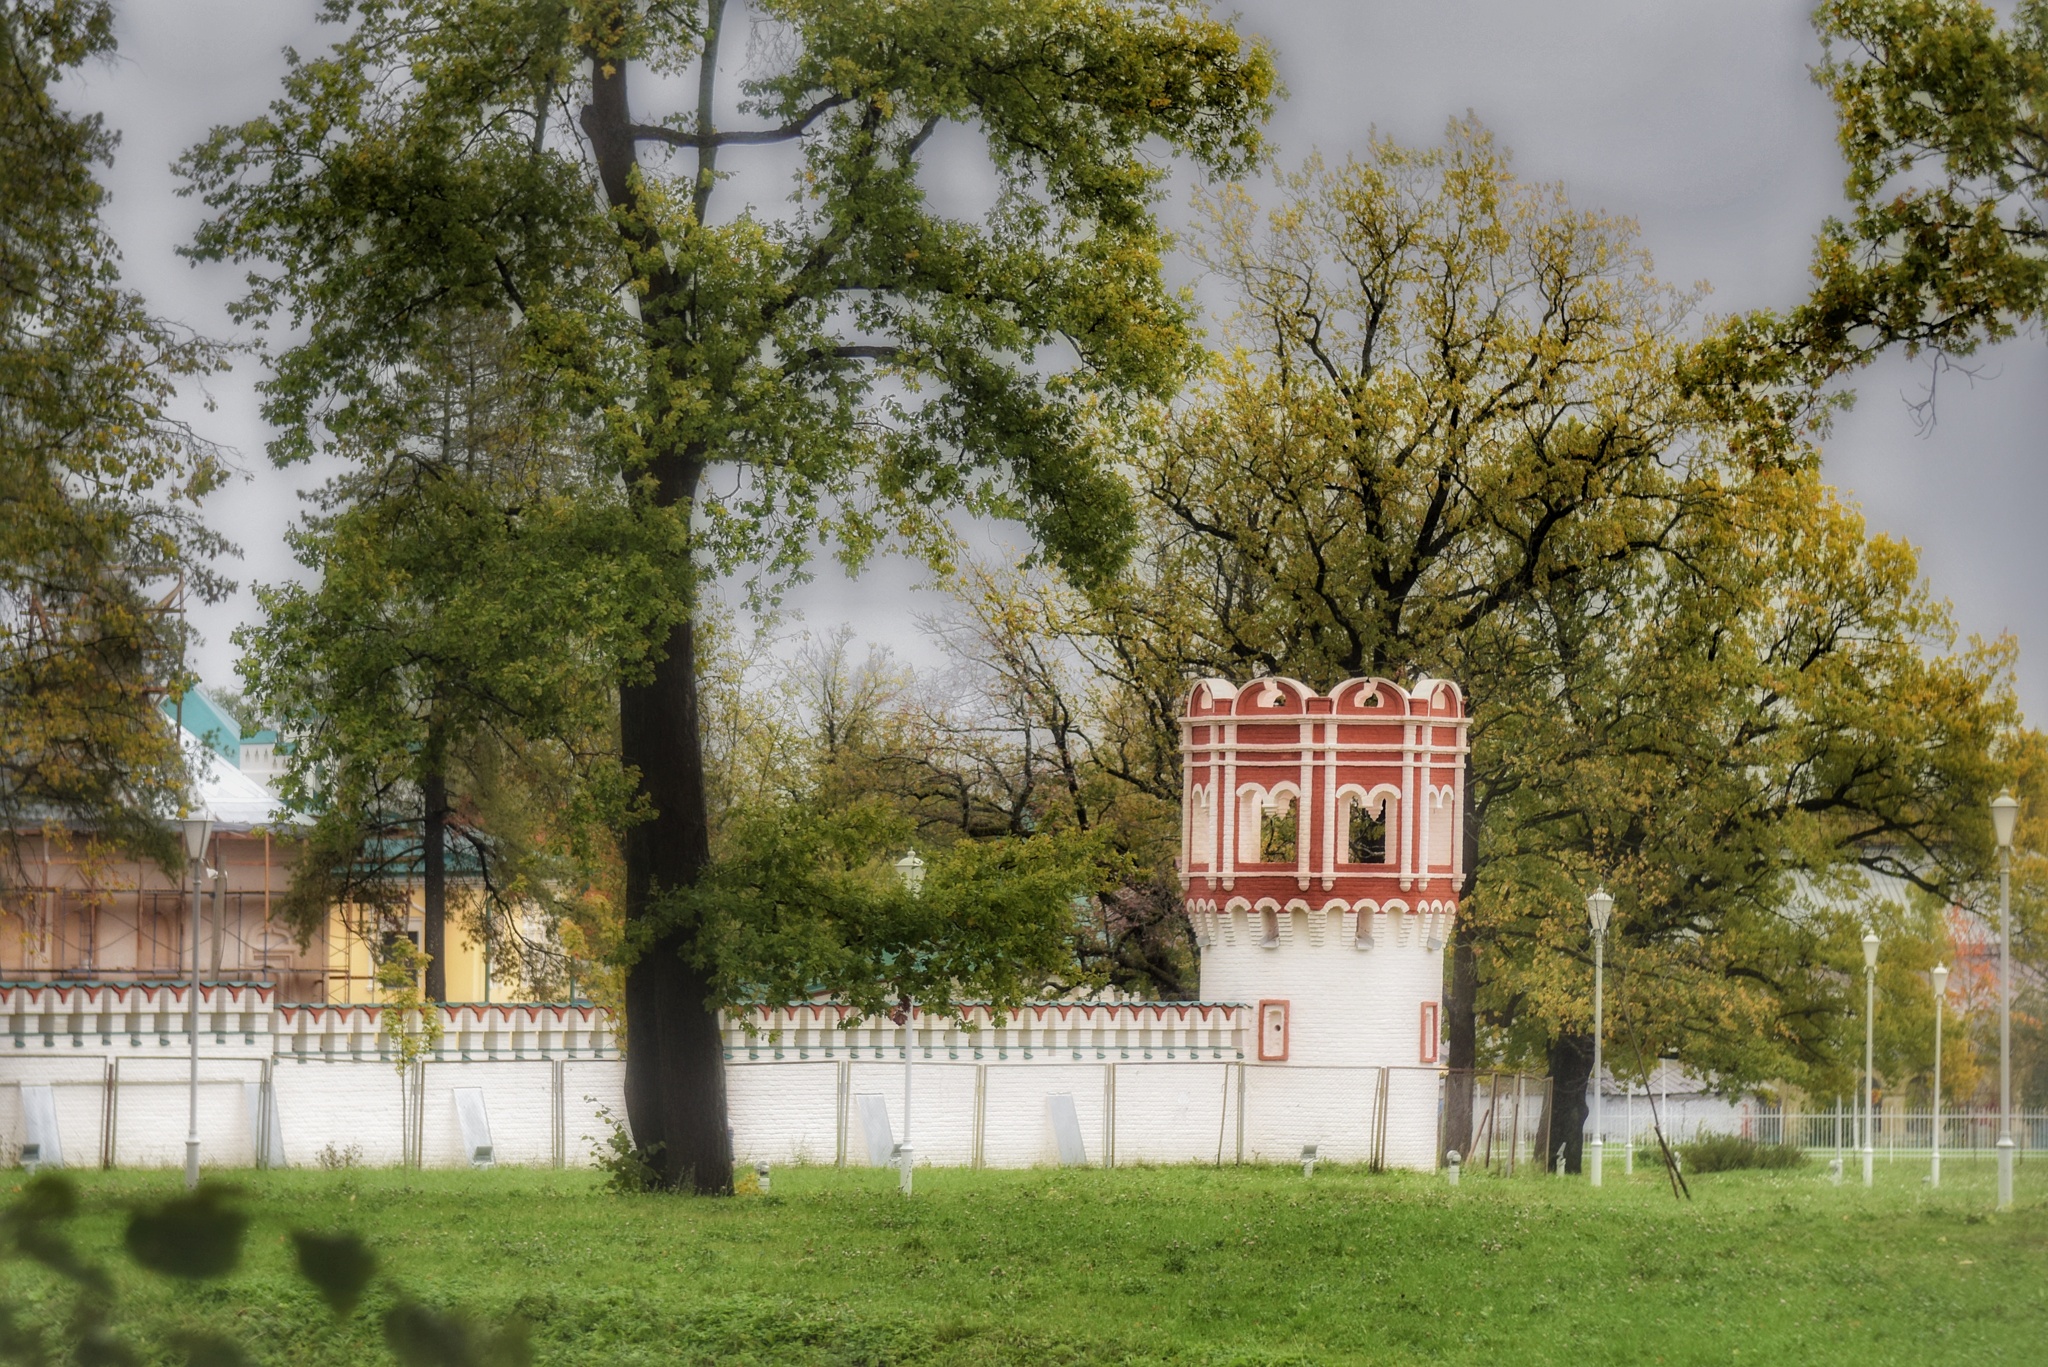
{"points": [[339, 1265], [408, 1020], [34, 1227], [1455, 437], [198, 1236], [803, 901], [738, 349], [98, 482], [1732, 1152], [421, 1336], [628, 1169], [752, 367], [858, 366], [477, 584], [1940, 107], [1006, 741], [201, 1237]]}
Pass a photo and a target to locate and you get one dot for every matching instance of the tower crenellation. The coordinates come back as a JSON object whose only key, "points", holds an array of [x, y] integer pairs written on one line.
{"points": [[1322, 855]]}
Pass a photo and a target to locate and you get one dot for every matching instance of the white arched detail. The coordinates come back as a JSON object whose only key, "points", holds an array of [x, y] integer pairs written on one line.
{"points": [[1236, 915], [1301, 923], [1226, 812], [1443, 827], [1202, 829], [1250, 808], [1304, 826], [1437, 932], [1341, 919]]}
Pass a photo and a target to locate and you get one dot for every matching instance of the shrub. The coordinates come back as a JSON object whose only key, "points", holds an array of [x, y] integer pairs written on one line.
{"points": [[334, 1160], [1728, 1152], [628, 1170]]}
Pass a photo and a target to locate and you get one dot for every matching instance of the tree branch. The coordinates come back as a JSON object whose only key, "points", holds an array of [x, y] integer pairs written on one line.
{"points": [[795, 128]]}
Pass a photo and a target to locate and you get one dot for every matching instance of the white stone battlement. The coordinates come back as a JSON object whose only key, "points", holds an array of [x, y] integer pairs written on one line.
{"points": [[1046, 1032], [241, 1018]]}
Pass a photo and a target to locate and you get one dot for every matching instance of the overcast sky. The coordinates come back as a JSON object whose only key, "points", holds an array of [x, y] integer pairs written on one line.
{"points": [[1699, 120]]}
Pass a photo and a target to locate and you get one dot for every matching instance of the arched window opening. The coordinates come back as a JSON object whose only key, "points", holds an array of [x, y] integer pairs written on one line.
{"points": [[1204, 831], [1269, 928], [1278, 831], [1440, 828], [1366, 833]]}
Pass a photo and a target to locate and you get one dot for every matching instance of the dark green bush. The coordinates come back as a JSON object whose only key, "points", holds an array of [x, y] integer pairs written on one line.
{"points": [[1728, 1152]]}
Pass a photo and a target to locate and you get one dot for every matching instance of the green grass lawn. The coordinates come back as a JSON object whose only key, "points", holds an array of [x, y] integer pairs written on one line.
{"points": [[1170, 1265]]}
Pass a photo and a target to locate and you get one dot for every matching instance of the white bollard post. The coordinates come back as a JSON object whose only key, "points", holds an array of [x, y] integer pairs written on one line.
{"points": [[1451, 1161]]}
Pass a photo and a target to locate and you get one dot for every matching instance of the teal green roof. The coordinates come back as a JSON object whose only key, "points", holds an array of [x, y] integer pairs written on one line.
{"points": [[213, 724]]}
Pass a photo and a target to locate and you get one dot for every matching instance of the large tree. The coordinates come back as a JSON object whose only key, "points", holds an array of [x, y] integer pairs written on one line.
{"points": [[473, 591], [97, 482], [1454, 438], [853, 363]]}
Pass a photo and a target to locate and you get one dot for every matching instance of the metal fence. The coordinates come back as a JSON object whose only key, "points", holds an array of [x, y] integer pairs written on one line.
{"points": [[1496, 1122], [1964, 1133]]}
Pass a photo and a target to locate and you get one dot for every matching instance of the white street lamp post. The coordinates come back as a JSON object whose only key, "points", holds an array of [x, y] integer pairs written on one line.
{"points": [[1940, 977], [2005, 809], [1628, 1161], [1599, 909], [197, 830], [1869, 1056], [911, 870]]}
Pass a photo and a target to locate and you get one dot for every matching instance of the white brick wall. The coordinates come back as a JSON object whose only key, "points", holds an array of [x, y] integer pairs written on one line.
{"points": [[980, 1095], [1358, 1007], [785, 1112]]}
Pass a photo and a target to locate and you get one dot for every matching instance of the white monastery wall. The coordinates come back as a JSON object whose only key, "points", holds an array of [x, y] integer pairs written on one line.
{"points": [[1150, 1083], [1322, 979]]}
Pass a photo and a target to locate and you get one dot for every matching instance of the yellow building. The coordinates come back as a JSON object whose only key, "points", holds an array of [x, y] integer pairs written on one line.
{"points": [[80, 913]]}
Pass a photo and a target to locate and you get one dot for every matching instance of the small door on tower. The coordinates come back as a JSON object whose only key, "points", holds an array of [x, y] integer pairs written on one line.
{"points": [[1272, 1032]]}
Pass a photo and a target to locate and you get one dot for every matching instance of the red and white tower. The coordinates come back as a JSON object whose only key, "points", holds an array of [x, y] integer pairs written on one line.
{"points": [[1322, 854]]}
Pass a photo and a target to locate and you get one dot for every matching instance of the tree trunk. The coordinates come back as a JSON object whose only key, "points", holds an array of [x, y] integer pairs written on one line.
{"points": [[1461, 1045], [675, 1060], [434, 860], [1461, 1004], [1571, 1067]]}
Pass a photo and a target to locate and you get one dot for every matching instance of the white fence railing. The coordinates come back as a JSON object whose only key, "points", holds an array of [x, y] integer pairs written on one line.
{"points": [[1964, 1133]]}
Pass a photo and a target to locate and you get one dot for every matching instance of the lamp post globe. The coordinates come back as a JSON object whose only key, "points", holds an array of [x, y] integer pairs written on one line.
{"points": [[1869, 1056], [910, 869], [1599, 911], [1939, 976], [2005, 810], [197, 828]]}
